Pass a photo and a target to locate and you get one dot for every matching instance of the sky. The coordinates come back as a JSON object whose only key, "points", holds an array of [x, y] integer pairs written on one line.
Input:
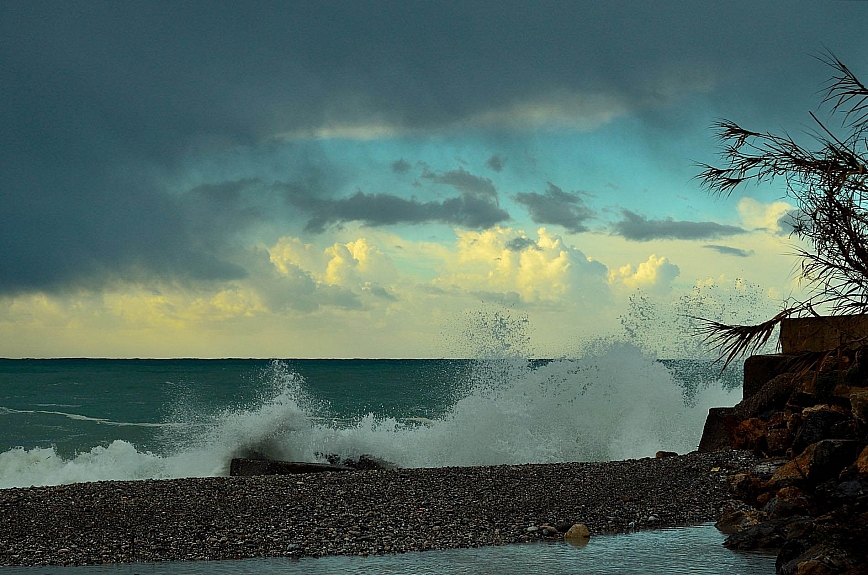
{"points": [[381, 179]]}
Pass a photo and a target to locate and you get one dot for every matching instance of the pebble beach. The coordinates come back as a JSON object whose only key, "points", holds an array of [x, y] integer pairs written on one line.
{"points": [[356, 513]]}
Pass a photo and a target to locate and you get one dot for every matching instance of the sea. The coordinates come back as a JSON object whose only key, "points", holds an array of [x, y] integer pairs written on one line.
{"points": [[76, 420]]}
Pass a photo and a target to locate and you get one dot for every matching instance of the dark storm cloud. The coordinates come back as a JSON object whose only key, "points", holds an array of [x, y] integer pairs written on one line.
{"points": [[466, 210], [496, 162], [103, 103], [730, 251], [464, 182], [556, 206], [640, 229], [401, 166]]}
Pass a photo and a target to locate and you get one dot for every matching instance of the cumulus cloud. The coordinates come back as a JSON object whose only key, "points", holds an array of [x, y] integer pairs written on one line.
{"points": [[555, 206], [551, 272], [771, 217], [729, 251], [348, 270], [639, 228], [656, 273]]}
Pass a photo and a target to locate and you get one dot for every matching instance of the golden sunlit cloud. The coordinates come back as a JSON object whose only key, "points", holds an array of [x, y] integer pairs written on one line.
{"points": [[759, 216], [654, 274]]}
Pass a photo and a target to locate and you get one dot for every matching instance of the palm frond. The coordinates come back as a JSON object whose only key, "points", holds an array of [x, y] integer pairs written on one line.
{"points": [[733, 341]]}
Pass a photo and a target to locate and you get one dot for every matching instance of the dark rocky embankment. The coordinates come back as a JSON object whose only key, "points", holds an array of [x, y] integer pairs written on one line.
{"points": [[359, 512], [810, 498]]}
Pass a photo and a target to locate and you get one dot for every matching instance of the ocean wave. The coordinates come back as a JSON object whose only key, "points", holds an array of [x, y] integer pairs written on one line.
{"points": [[616, 402]]}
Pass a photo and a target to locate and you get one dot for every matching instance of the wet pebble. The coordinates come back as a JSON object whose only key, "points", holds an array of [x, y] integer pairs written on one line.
{"points": [[356, 513]]}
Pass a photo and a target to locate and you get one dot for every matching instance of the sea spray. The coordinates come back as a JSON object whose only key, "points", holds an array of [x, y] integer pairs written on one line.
{"points": [[612, 399]]}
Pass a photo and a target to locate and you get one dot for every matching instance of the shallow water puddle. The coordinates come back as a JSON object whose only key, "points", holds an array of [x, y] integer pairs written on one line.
{"points": [[690, 550]]}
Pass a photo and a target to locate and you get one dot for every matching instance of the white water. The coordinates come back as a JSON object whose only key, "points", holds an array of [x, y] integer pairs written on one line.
{"points": [[616, 403]]}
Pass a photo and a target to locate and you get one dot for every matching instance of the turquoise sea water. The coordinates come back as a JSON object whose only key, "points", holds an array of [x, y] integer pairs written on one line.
{"points": [[69, 420], [73, 420]]}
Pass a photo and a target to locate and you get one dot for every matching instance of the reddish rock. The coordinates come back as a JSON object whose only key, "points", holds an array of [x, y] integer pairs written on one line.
{"points": [[795, 499], [750, 434], [745, 486], [819, 461], [859, 404], [862, 463], [778, 441], [736, 520]]}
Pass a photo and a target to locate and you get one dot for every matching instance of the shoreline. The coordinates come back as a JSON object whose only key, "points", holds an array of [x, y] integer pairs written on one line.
{"points": [[358, 512]]}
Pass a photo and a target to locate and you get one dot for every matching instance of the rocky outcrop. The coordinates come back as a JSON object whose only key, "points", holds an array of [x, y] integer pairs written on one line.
{"points": [[247, 467], [810, 501], [242, 467]]}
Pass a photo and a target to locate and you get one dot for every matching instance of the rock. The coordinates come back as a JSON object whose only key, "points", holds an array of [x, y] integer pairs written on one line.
{"points": [[716, 434], [745, 486], [368, 462], [862, 463], [579, 531], [778, 441], [362, 462], [750, 434], [797, 499], [819, 462], [765, 535], [859, 404], [661, 454], [563, 526], [804, 557], [736, 520], [818, 424], [772, 395], [776, 509], [242, 467], [758, 369]]}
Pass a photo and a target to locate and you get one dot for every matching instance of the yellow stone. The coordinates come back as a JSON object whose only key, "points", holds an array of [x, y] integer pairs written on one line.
{"points": [[579, 531]]}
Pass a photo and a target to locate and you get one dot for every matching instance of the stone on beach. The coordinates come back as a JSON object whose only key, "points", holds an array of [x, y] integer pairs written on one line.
{"points": [[577, 531], [360, 512]]}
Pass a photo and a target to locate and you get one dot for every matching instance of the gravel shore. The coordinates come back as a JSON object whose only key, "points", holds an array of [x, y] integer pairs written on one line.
{"points": [[361, 512]]}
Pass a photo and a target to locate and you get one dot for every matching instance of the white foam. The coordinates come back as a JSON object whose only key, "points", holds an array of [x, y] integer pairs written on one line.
{"points": [[616, 402], [99, 420]]}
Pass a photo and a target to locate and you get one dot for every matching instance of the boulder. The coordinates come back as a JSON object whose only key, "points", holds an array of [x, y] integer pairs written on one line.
{"points": [[773, 395], [758, 369], [862, 463], [717, 433], [818, 423], [750, 434], [745, 486], [243, 467], [578, 532], [820, 461], [735, 520], [859, 404], [778, 441]]}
